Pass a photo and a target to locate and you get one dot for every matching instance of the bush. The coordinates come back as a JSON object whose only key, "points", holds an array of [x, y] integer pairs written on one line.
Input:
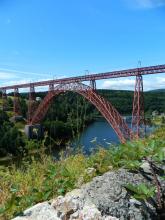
{"points": [[11, 141]]}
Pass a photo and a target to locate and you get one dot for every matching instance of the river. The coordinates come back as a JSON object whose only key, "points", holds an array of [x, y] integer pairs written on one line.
{"points": [[97, 134], [100, 133]]}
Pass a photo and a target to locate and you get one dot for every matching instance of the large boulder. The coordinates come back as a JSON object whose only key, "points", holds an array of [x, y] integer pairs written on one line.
{"points": [[41, 211], [104, 198], [110, 196]]}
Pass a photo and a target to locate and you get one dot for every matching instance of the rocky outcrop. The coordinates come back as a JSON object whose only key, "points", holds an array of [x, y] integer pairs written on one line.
{"points": [[104, 198], [41, 211]]}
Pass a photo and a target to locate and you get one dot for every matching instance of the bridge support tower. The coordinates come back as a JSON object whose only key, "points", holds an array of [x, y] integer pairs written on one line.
{"points": [[34, 131], [16, 101], [4, 100], [138, 118], [32, 104], [93, 84]]}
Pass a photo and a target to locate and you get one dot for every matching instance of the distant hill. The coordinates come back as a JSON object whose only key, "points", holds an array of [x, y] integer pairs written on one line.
{"points": [[157, 90]]}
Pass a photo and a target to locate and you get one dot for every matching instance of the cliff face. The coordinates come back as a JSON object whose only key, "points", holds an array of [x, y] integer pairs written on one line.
{"points": [[104, 198]]}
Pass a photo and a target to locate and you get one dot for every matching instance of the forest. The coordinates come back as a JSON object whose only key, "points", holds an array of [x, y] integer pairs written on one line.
{"points": [[68, 115]]}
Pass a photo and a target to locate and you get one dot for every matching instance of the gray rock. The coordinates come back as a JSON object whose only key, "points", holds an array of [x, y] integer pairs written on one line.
{"points": [[146, 167], [75, 216], [110, 218], [135, 202], [41, 211], [109, 195], [90, 212], [104, 198], [66, 206]]}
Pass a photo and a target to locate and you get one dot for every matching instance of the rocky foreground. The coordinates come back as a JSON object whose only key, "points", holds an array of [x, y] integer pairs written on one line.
{"points": [[104, 198]]}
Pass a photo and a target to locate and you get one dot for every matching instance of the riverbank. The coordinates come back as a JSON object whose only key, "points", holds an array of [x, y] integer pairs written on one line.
{"points": [[41, 178]]}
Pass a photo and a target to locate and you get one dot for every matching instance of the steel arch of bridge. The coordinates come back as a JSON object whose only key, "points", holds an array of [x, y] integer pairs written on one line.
{"points": [[104, 107]]}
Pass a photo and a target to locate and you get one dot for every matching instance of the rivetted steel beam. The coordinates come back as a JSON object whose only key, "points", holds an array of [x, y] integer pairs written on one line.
{"points": [[114, 74]]}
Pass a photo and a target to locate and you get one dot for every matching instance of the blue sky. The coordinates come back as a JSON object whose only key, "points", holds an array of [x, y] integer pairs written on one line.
{"points": [[44, 39]]}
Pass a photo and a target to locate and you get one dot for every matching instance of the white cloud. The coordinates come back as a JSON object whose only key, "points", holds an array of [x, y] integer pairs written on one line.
{"points": [[34, 76], [118, 84], [6, 75], [14, 77], [11, 71], [16, 82], [129, 84], [9, 79], [146, 3]]}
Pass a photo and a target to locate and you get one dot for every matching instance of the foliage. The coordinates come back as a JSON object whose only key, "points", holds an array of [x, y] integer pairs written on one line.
{"points": [[11, 141], [68, 103], [3, 117], [141, 191], [70, 118], [37, 180], [58, 129], [72, 103]]}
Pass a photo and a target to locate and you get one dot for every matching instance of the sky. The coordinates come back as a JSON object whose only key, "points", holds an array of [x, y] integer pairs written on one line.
{"points": [[48, 39]]}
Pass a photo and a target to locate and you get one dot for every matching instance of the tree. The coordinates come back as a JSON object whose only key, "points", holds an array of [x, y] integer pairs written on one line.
{"points": [[11, 141]]}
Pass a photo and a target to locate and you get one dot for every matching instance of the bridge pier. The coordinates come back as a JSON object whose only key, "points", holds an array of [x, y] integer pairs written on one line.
{"points": [[34, 131], [4, 100], [32, 104], [93, 84], [138, 117], [16, 100]]}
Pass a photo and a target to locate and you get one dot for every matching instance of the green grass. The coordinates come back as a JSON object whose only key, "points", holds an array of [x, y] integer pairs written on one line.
{"points": [[39, 179]]}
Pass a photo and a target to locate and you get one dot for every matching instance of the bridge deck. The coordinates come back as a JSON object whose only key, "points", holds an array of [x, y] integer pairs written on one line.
{"points": [[114, 74]]}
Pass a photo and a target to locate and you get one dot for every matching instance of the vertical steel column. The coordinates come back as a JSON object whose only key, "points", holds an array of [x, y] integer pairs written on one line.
{"points": [[31, 103], [138, 118], [16, 101], [93, 84], [51, 87], [4, 100]]}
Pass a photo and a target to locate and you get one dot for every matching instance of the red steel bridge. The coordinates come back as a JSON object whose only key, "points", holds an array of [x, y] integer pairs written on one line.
{"points": [[76, 84]]}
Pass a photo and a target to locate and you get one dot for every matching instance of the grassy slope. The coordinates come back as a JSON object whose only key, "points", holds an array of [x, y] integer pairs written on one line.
{"points": [[39, 180]]}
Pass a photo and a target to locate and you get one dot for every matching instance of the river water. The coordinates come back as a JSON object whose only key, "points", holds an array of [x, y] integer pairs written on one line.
{"points": [[97, 134], [100, 133]]}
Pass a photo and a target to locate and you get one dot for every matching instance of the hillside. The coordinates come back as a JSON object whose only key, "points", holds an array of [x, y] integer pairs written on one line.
{"points": [[122, 100], [157, 90]]}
